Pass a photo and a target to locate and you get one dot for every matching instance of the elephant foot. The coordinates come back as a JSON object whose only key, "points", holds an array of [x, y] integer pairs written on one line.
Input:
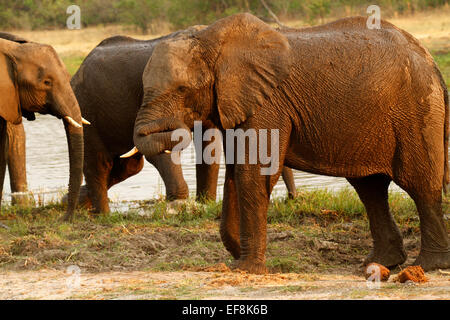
{"points": [[251, 266], [22, 200], [389, 258], [231, 244], [433, 260], [181, 193], [83, 200], [67, 218], [292, 195]]}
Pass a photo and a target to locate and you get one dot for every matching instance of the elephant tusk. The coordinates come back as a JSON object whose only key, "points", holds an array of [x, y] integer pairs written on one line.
{"points": [[84, 121], [130, 153], [168, 151], [73, 122]]}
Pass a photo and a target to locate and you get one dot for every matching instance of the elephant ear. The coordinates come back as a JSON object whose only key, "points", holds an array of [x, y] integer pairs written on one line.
{"points": [[9, 93], [252, 60], [12, 37]]}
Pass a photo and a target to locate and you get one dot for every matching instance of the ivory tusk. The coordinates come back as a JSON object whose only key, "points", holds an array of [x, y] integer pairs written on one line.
{"points": [[168, 151], [84, 121], [130, 153], [73, 122]]}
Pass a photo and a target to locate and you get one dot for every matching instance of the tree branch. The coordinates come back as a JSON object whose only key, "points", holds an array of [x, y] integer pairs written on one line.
{"points": [[273, 14]]}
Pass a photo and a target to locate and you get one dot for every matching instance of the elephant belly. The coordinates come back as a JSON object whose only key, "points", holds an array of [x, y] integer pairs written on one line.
{"points": [[341, 158]]}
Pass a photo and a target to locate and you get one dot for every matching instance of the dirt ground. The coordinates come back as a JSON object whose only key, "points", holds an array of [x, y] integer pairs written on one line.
{"points": [[53, 284], [321, 258]]}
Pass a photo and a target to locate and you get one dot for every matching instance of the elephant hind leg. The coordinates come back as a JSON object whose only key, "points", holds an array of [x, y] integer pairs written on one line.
{"points": [[422, 180], [288, 178], [387, 239], [435, 247]]}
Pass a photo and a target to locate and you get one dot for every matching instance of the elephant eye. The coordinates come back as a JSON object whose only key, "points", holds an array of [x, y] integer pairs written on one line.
{"points": [[182, 89], [48, 83]]}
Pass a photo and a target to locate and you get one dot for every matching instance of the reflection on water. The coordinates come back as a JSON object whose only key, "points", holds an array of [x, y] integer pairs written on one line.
{"points": [[48, 169]]}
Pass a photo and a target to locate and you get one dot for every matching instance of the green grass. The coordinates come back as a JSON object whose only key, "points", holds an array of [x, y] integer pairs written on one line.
{"points": [[341, 205], [303, 234], [443, 61], [72, 63]]}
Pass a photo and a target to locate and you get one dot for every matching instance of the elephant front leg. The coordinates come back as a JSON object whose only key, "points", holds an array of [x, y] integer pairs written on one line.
{"points": [[17, 164], [207, 175], [172, 175], [253, 192], [207, 172], [229, 224]]}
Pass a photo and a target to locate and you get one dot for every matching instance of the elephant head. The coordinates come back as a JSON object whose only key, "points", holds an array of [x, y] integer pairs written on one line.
{"points": [[222, 73], [34, 79]]}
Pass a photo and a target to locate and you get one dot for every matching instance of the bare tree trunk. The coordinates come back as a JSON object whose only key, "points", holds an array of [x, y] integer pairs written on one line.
{"points": [[273, 14]]}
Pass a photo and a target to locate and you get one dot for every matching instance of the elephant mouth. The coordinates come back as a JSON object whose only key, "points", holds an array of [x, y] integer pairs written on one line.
{"points": [[159, 136]]}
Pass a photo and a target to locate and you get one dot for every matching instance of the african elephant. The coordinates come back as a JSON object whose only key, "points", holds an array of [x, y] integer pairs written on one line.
{"points": [[16, 150], [108, 87], [17, 164], [345, 100], [33, 79]]}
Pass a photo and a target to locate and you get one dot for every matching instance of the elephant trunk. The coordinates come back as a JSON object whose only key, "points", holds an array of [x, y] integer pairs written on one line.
{"points": [[66, 106], [156, 136], [76, 154]]}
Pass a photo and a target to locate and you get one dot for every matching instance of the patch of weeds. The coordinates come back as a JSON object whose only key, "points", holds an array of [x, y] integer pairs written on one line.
{"points": [[442, 59], [296, 288], [283, 264], [72, 63]]}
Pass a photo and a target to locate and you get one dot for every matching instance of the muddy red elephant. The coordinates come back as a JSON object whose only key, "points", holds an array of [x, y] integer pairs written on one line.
{"points": [[368, 105], [108, 87]]}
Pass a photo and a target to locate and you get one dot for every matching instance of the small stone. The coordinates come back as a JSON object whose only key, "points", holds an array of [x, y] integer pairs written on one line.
{"points": [[4, 226]]}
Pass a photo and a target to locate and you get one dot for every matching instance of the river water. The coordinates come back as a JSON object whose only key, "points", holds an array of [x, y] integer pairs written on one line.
{"points": [[48, 169]]}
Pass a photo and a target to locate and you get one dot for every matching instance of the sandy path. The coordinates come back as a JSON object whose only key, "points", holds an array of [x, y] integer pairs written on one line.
{"points": [[53, 284]]}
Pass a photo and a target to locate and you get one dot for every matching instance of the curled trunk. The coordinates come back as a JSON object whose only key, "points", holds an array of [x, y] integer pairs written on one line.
{"points": [[154, 137]]}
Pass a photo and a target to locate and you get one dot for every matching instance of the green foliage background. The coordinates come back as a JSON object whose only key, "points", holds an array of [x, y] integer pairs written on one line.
{"points": [[148, 14]]}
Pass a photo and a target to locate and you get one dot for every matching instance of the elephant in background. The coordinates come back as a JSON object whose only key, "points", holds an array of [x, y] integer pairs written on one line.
{"points": [[17, 164], [16, 151], [34, 79], [367, 105], [108, 87]]}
